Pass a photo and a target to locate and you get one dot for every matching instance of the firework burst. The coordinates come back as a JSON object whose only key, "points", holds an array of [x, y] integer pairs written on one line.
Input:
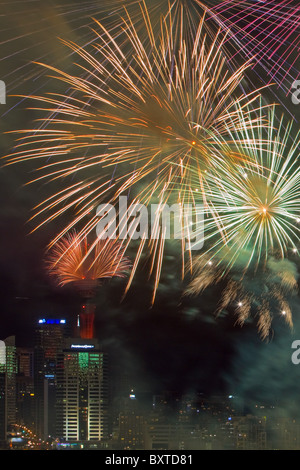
{"points": [[256, 209], [74, 260], [264, 295], [252, 230], [137, 125]]}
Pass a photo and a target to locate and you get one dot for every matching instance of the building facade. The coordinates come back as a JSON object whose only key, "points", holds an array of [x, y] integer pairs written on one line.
{"points": [[82, 391], [49, 337], [8, 370]]}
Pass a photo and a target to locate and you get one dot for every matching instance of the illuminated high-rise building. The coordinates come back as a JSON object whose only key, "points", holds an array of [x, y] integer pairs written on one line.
{"points": [[49, 337], [25, 387], [25, 361], [8, 369], [82, 392], [132, 424]]}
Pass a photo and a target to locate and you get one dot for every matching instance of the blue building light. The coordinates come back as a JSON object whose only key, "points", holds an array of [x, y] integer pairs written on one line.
{"points": [[52, 321]]}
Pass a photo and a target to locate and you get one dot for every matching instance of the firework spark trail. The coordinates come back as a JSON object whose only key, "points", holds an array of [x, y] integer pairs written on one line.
{"points": [[267, 33], [261, 295], [147, 118], [257, 208], [257, 212], [262, 30], [74, 260]]}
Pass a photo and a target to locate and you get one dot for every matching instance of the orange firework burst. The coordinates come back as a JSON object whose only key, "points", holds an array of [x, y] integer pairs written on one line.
{"points": [[74, 260], [138, 123]]}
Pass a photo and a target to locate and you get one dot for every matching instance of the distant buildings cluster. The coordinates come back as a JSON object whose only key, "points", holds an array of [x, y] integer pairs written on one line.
{"points": [[58, 389], [57, 395]]}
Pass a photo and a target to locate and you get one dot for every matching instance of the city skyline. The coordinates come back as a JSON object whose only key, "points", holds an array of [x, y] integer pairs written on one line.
{"points": [[133, 420]]}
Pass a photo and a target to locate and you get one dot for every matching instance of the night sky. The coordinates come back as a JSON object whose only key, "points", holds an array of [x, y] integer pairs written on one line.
{"points": [[177, 344]]}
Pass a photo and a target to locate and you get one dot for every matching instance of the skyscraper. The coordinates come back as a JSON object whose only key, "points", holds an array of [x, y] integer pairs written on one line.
{"points": [[132, 424], [49, 336], [82, 391], [25, 387], [8, 369]]}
